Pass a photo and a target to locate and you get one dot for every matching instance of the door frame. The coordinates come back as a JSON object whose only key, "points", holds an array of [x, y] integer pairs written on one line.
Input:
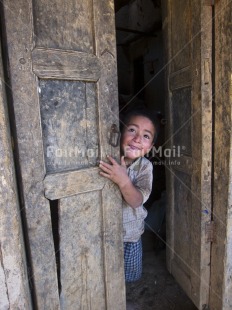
{"points": [[14, 278], [221, 258]]}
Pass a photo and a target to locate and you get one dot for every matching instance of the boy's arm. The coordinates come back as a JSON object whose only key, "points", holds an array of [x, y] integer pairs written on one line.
{"points": [[131, 194], [118, 174]]}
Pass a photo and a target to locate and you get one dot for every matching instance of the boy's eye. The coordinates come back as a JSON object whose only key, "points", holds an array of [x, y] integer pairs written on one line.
{"points": [[131, 129], [146, 136]]}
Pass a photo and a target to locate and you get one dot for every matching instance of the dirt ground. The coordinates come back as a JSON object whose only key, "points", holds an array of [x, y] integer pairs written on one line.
{"points": [[157, 289]]}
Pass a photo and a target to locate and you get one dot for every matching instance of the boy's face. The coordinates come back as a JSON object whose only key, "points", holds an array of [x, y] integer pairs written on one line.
{"points": [[137, 137]]}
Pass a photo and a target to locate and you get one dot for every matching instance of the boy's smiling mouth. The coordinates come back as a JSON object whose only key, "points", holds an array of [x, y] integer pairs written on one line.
{"points": [[134, 147]]}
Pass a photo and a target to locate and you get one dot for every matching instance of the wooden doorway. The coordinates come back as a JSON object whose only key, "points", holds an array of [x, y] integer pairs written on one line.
{"points": [[62, 70], [186, 30], [197, 40], [44, 57]]}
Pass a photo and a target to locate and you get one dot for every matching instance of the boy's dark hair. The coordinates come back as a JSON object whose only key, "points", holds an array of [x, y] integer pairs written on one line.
{"points": [[124, 119]]}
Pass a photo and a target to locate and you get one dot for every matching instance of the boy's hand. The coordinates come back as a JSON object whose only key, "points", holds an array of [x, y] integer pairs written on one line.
{"points": [[118, 174], [114, 171]]}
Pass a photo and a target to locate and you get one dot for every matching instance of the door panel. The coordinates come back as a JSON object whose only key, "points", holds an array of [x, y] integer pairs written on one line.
{"points": [[69, 123], [181, 29], [64, 25], [62, 63], [68, 65], [188, 37], [81, 254]]}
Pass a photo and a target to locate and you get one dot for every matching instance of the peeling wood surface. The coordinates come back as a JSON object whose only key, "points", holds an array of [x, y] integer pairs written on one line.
{"points": [[14, 284], [221, 285], [66, 65], [187, 27]]}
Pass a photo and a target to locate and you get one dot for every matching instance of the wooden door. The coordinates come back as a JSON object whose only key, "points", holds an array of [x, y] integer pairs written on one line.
{"points": [[62, 67], [187, 36]]}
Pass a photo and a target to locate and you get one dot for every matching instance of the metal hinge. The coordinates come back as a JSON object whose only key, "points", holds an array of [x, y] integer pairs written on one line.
{"points": [[210, 231]]}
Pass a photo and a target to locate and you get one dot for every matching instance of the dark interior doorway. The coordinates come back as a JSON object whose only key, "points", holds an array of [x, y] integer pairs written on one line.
{"points": [[141, 82]]}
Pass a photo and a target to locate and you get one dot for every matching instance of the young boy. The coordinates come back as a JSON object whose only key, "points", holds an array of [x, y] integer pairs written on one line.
{"points": [[134, 178]]}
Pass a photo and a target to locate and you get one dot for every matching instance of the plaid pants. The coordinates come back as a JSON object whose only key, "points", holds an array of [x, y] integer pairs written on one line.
{"points": [[133, 260]]}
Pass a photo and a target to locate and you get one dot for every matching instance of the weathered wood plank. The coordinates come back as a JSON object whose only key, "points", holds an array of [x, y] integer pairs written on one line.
{"points": [[67, 65], [104, 28], [108, 114], [166, 21], [70, 125], [202, 151], [81, 252], [182, 163], [187, 25], [14, 284], [4, 301], [221, 285], [181, 34], [19, 30], [60, 185], [92, 125], [182, 119], [183, 277], [183, 220], [115, 299], [180, 79], [66, 25]]}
